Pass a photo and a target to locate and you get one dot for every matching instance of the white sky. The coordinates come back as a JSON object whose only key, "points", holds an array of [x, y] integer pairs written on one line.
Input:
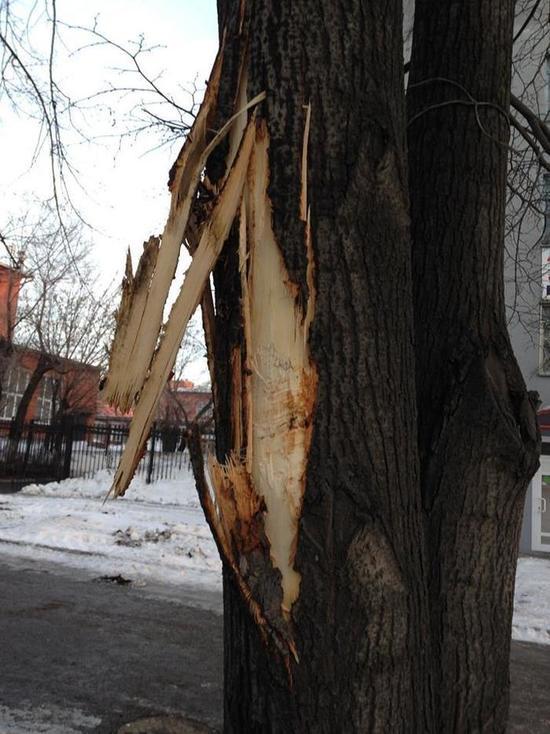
{"points": [[121, 189]]}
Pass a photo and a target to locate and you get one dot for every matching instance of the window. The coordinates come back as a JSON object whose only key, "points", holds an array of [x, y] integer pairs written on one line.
{"points": [[544, 366], [44, 403], [15, 383], [545, 272], [544, 360]]}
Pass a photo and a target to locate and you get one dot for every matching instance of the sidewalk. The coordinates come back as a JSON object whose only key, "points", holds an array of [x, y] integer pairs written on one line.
{"points": [[81, 655], [530, 699]]}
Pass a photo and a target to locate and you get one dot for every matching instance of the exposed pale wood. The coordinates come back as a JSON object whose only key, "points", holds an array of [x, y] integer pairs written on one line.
{"points": [[234, 545], [283, 382], [129, 316], [272, 406]]}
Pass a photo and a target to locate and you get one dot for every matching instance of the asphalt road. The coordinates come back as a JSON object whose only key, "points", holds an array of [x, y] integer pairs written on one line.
{"points": [[80, 655]]}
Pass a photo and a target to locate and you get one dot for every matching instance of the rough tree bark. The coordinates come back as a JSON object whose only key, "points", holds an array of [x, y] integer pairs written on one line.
{"points": [[358, 621], [368, 570], [477, 431]]}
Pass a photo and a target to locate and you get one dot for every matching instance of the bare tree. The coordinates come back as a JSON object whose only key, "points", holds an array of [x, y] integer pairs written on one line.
{"points": [[34, 43], [529, 161], [66, 320], [172, 416]]}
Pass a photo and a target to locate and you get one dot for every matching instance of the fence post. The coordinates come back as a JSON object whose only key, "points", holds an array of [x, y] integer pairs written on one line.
{"points": [[108, 438], [28, 447], [68, 431], [151, 455]]}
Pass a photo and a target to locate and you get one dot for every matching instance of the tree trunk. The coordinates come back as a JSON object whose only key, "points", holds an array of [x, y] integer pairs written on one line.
{"points": [[353, 597], [477, 429], [6, 357], [44, 364]]}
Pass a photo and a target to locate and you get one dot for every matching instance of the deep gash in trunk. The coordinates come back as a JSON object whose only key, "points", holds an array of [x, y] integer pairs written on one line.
{"points": [[333, 433], [339, 548]]}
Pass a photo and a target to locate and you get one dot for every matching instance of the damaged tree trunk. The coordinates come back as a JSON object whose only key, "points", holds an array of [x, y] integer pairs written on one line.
{"points": [[314, 377], [367, 588], [477, 431]]}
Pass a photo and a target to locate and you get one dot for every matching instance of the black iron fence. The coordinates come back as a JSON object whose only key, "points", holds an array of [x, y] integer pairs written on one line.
{"points": [[44, 453]]}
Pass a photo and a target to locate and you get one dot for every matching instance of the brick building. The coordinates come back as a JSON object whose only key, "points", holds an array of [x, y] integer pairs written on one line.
{"points": [[67, 386], [181, 402]]}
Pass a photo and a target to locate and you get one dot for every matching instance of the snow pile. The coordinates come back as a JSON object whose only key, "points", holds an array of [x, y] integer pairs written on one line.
{"points": [[531, 621], [156, 532], [45, 719], [180, 491]]}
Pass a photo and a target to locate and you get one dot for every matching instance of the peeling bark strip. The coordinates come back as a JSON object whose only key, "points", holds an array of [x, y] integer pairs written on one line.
{"points": [[138, 327], [134, 346], [213, 236]]}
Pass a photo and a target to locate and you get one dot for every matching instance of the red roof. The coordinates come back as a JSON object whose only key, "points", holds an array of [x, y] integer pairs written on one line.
{"points": [[104, 410]]}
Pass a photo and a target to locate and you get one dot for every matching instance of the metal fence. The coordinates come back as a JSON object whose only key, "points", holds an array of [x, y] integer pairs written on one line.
{"points": [[51, 453]]}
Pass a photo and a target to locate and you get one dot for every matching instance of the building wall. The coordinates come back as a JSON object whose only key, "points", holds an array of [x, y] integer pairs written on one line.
{"points": [[79, 384], [525, 541], [523, 256], [10, 284]]}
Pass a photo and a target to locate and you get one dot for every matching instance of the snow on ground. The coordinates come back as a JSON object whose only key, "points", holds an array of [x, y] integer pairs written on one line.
{"points": [[180, 491], [45, 720], [531, 621], [157, 533]]}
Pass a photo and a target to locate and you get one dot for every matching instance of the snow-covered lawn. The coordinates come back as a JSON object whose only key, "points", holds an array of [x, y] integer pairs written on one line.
{"points": [[532, 601], [157, 533]]}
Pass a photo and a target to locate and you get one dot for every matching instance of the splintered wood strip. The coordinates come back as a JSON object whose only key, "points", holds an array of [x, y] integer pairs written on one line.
{"points": [[131, 310], [123, 384], [305, 146], [223, 541], [212, 239], [237, 519], [209, 327], [135, 347], [208, 316]]}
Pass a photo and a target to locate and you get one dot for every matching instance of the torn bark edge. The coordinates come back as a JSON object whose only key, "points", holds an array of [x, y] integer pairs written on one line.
{"points": [[234, 508], [304, 206], [279, 636], [132, 305]]}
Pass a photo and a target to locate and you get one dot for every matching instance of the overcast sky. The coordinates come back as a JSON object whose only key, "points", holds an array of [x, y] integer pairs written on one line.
{"points": [[121, 187]]}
